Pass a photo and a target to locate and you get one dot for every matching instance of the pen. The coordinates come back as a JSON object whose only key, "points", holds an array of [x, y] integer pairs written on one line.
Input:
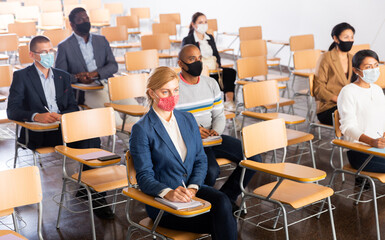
{"points": [[380, 134], [184, 185], [47, 109]]}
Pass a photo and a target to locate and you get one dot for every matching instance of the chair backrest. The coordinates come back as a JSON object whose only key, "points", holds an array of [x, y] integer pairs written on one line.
{"points": [[22, 29], [112, 34], [264, 136], [20, 187], [9, 42], [9, 7], [128, 86], [251, 48], [358, 47], [69, 2], [170, 17], [251, 67], [115, 8], [165, 27], [128, 21], [212, 25], [24, 57], [142, 13], [301, 42], [381, 79], [6, 75], [337, 124], [250, 33], [100, 15], [131, 172], [51, 19], [51, 6], [81, 125], [306, 59], [92, 4], [57, 35], [260, 93], [159, 41], [27, 13], [311, 84], [140, 60]]}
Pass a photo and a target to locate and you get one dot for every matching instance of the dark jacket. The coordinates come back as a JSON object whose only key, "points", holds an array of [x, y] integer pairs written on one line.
{"points": [[190, 40]]}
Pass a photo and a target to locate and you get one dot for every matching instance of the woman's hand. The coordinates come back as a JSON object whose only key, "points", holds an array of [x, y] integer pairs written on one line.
{"points": [[180, 194], [334, 98], [378, 142]]}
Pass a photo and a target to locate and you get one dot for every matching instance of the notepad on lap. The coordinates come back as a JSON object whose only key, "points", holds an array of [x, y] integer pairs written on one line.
{"points": [[94, 155], [44, 124], [212, 141], [179, 205]]}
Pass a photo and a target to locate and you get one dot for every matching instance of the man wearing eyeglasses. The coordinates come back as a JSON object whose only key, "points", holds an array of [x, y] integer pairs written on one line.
{"points": [[40, 93]]}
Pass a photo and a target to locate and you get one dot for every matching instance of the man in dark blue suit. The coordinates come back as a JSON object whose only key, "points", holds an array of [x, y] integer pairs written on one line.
{"points": [[40, 93]]}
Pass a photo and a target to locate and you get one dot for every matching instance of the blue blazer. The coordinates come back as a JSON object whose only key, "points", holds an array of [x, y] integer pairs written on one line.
{"points": [[26, 96], [156, 160], [70, 59]]}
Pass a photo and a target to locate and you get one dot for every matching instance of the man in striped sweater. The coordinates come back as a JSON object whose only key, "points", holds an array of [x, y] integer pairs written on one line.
{"points": [[201, 96]]}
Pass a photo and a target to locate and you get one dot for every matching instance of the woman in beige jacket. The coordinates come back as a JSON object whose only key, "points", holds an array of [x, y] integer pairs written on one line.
{"points": [[334, 71]]}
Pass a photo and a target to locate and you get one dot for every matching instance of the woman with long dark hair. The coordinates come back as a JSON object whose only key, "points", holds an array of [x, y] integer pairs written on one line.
{"points": [[362, 113], [333, 72], [206, 43]]}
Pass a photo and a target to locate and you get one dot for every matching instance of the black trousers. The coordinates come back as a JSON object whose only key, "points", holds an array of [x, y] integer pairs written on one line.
{"points": [[325, 117], [356, 159], [229, 76], [219, 222]]}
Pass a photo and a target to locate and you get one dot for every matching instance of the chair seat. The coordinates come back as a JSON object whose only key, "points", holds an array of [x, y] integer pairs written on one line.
{"points": [[295, 137], [175, 41], [295, 194], [167, 55], [282, 102], [244, 82], [6, 212], [125, 45], [134, 110], [3, 98], [223, 161], [12, 233], [304, 72], [45, 150], [100, 24], [170, 233], [104, 179], [4, 117], [4, 57], [289, 119], [379, 176], [277, 77], [120, 60], [223, 50], [229, 115]]}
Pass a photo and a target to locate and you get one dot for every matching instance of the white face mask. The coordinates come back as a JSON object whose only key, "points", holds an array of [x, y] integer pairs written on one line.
{"points": [[370, 75], [202, 28]]}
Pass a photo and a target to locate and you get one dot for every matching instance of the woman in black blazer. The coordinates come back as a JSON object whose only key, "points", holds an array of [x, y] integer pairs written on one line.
{"points": [[206, 43]]}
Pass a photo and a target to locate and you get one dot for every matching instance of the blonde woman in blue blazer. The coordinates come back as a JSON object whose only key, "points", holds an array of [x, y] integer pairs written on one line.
{"points": [[167, 148]]}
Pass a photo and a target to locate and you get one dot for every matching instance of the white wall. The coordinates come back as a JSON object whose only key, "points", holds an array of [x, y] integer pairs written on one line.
{"points": [[281, 19]]}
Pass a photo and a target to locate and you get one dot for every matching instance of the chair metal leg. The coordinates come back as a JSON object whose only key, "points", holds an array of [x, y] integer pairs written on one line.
{"points": [[235, 128], [332, 219], [342, 164], [61, 202], [40, 220], [114, 201], [375, 207], [15, 223], [361, 191], [91, 212], [285, 220], [312, 153], [277, 218]]}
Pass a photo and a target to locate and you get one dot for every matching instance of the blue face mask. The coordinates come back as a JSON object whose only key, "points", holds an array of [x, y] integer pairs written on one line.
{"points": [[370, 75], [47, 60]]}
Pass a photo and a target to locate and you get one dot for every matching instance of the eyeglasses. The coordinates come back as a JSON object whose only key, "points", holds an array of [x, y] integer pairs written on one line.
{"points": [[52, 51]]}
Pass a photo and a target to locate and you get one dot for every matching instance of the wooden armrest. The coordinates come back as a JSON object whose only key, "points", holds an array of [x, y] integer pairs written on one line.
{"points": [[290, 171], [87, 88], [150, 200], [37, 128], [357, 147], [134, 110], [278, 42], [74, 152]]}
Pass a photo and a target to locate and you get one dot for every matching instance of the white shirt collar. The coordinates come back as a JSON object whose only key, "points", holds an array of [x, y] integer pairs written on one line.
{"points": [[196, 38], [172, 119]]}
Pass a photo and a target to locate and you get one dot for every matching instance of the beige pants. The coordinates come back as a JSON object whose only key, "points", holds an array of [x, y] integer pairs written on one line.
{"points": [[96, 99]]}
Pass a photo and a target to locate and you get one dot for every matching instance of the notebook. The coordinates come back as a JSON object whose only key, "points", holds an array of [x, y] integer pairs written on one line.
{"points": [[179, 205], [94, 155], [212, 141], [44, 124]]}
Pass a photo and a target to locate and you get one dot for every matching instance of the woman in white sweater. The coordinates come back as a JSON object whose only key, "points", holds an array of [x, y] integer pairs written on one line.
{"points": [[361, 105]]}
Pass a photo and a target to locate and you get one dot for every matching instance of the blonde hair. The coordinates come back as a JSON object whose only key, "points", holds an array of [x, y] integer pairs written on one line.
{"points": [[158, 78]]}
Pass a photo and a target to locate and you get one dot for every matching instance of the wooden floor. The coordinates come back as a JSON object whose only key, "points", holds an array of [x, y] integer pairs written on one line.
{"points": [[352, 222]]}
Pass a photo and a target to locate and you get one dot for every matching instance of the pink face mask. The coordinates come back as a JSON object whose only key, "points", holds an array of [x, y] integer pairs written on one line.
{"points": [[168, 103]]}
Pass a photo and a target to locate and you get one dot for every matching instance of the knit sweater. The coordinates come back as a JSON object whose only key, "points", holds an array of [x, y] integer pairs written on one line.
{"points": [[204, 101], [361, 111]]}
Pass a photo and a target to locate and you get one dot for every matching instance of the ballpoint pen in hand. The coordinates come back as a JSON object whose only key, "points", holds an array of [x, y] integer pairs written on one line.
{"points": [[47, 109], [184, 185]]}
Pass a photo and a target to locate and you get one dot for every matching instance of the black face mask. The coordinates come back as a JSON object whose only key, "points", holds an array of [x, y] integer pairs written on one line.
{"points": [[195, 68], [345, 46], [83, 28]]}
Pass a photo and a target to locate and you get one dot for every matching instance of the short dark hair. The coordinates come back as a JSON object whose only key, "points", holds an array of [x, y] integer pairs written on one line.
{"points": [[359, 57], [73, 13], [35, 40]]}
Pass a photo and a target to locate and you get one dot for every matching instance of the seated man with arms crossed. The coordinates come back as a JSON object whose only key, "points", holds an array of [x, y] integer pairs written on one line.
{"points": [[40, 93], [201, 96], [88, 57]]}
